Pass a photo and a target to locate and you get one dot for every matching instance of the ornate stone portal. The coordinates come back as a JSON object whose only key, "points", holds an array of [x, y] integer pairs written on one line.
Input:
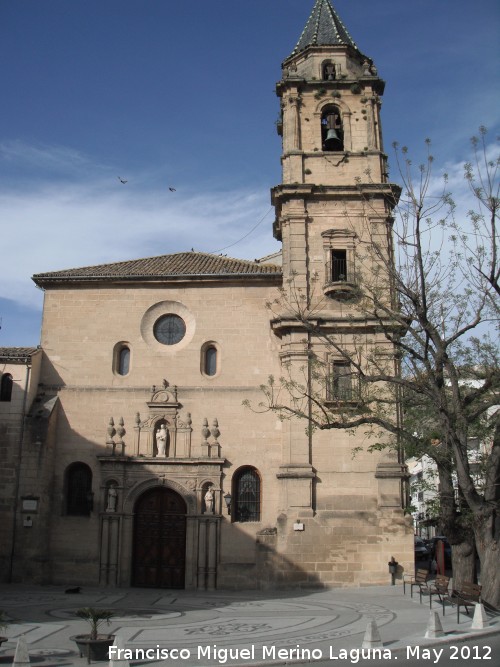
{"points": [[162, 458]]}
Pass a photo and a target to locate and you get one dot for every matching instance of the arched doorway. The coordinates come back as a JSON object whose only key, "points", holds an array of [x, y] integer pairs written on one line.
{"points": [[159, 551]]}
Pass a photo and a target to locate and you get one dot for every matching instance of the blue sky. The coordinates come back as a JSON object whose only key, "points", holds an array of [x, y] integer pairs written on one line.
{"points": [[167, 93]]}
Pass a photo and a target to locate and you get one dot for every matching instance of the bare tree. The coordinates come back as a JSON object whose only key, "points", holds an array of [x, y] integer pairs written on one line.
{"points": [[431, 292], [445, 506]]}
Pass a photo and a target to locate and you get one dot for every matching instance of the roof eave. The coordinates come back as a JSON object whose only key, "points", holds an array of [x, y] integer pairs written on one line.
{"points": [[42, 281], [11, 356]]}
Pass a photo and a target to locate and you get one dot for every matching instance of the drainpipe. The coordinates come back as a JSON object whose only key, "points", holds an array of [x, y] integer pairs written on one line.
{"points": [[18, 473]]}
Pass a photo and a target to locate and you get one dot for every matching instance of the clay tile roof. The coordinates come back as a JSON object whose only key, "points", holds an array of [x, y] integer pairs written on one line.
{"points": [[324, 28], [17, 353], [179, 265]]}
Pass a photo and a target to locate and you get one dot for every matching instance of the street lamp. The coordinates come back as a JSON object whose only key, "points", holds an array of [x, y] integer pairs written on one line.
{"points": [[227, 500]]}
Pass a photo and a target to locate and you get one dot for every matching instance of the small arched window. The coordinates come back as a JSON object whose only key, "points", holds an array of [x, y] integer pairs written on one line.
{"points": [[121, 358], [332, 135], [79, 496], [123, 366], [210, 361], [246, 495], [6, 387]]}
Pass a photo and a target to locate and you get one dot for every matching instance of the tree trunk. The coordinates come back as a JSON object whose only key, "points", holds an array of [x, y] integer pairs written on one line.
{"points": [[489, 553], [459, 534], [490, 576], [463, 557], [488, 530], [485, 512]]}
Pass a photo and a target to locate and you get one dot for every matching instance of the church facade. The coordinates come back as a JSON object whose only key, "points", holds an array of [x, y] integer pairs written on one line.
{"points": [[144, 459]]}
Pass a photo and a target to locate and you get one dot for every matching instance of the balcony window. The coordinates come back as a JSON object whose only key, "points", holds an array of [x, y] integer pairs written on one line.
{"points": [[340, 386]]}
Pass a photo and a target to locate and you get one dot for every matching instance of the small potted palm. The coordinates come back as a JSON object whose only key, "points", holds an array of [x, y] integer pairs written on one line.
{"points": [[94, 645]]}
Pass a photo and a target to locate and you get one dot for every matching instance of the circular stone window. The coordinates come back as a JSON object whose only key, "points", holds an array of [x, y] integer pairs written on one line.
{"points": [[169, 329]]}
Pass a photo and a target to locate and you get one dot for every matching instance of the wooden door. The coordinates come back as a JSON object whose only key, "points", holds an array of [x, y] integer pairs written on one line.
{"points": [[159, 556]]}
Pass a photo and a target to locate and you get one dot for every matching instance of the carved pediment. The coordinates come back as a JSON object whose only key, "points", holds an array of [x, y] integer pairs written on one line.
{"points": [[339, 233], [163, 395], [163, 409]]}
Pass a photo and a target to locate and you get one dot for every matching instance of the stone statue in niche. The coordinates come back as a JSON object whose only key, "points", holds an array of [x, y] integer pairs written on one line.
{"points": [[209, 501], [112, 500], [161, 441]]}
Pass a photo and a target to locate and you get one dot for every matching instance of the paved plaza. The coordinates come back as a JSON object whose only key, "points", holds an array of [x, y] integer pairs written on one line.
{"points": [[292, 626]]}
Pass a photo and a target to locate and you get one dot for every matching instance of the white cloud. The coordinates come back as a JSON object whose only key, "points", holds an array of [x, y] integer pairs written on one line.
{"points": [[64, 225], [44, 158]]}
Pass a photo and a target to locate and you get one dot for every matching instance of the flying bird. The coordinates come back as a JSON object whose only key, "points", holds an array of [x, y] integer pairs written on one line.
{"points": [[172, 190], [122, 180]]}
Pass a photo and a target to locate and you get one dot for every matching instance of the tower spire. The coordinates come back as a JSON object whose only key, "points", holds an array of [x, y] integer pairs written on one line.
{"points": [[324, 28]]}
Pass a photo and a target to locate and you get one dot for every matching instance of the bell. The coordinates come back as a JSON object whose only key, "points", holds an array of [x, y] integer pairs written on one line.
{"points": [[332, 141]]}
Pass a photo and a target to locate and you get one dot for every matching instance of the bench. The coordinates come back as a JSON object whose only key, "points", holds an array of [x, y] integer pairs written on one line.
{"points": [[468, 596], [439, 587], [419, 580]]}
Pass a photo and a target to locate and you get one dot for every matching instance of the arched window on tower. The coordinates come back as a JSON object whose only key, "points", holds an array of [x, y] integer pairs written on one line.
{"points": [[78, 490], [6, 387], [246, 495], [328, 72], [332, 135]]}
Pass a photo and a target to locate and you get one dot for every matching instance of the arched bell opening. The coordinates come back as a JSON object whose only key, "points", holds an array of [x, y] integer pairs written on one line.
{"points": [[328, 71], [332, 134]]}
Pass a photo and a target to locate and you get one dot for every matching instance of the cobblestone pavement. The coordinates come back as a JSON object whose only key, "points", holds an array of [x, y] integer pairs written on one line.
{"points": [[202, 628]]}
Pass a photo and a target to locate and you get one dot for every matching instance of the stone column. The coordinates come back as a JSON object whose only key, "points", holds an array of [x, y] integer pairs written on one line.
{"points": [[346, 126], [291, 135], [191, 552], [125, 570], [202, 553], [212, 555], [110, 549]]}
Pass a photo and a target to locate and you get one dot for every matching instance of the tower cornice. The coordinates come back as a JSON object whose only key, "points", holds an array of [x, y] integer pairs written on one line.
{"points": [[303, 85], [287, 191]]}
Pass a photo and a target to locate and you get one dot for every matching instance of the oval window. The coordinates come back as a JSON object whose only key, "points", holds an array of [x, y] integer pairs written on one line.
{"points": [[169, 329]]}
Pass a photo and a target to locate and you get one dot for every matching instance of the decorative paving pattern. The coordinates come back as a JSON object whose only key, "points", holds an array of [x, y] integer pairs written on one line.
{"points": [[227, 629], [43, 652], [13, 600], [146, 619], [33, 632], [279, 623], [272, 606], [121, 615]]}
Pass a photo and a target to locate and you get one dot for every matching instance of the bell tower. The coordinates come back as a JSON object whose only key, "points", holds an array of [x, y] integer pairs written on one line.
{"points": [[333, 204], [332, 139]]}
